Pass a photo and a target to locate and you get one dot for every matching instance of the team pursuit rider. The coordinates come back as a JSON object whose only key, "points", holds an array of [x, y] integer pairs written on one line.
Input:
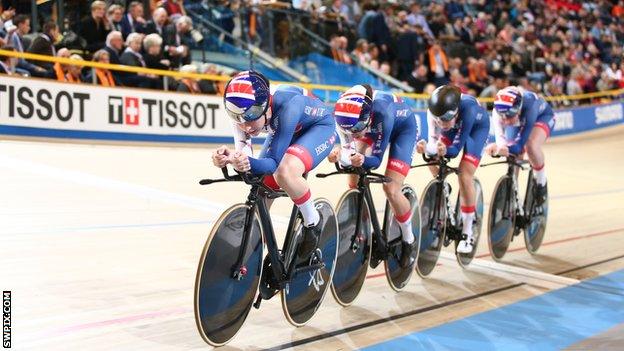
{"points": [[301, 133], [522, 122], [367, 122], [456, 121]]}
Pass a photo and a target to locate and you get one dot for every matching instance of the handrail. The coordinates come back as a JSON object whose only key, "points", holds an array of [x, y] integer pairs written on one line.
{"points": [[213, 77], [265, 57]]}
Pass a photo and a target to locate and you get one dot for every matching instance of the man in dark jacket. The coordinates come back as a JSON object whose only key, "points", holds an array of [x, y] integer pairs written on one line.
{"points": [[133, 21], [177, 41], [158, 22], [44, 44]]}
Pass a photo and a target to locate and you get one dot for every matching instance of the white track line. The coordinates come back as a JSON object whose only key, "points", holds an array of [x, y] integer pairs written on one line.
{"points": [[488, 267], [141, 191]]}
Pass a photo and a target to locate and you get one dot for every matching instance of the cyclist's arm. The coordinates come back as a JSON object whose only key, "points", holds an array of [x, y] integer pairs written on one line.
{"points": [[432, 136], [499, 130], [531, 116], [453, 149], [381, 139], [242, 141], [347, 147], [289, 116]]}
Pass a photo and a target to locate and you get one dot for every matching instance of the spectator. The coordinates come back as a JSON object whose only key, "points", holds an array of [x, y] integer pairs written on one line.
{"points": [[96, 27], [157, 23], [209, 86], [361, 52], [5, 17], [132, 57], [103, 76], [175, 9], [152, 46], [114, 45], [177, 40], [44, 44], [364, 27], [22, 22], [415, 18], [418, 79], [438, 65], [133, 21], [407, 51], [7, 63], [115, 15], [188, 85], [74, 72], [380, 33], [60, 70]]}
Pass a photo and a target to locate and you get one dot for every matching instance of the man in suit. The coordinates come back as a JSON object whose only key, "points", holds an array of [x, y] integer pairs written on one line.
{"points": [[133, 21], [44, 44], [114, 45], [22, 22], [178, 40], [132, 57], [95, 27], [158, 22]]}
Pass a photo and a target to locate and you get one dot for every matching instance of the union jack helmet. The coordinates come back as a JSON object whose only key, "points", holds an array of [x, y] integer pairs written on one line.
{"points": [[247, 96], [353, 109], [508, 102]]}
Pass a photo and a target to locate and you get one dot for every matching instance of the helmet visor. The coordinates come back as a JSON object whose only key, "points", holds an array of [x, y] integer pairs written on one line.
{"points": [[510, 112], [359, 127], [447, 116], [251, 114]]}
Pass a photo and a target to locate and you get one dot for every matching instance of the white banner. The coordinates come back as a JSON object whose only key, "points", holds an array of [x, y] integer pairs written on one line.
{"points": [[40, 107]]}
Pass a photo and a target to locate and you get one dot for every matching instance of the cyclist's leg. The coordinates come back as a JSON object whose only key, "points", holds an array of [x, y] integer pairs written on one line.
{"points": [[399, 161], [537, 138], [467, 168], [305, 153]]}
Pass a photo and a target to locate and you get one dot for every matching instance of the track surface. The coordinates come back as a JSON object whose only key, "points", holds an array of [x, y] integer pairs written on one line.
{"points": [[99, 246]]}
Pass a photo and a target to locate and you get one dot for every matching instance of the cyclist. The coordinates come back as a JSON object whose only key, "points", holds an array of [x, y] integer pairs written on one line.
{"points": [[522, 122], [456, 121], [367, 122], [301, 133]]}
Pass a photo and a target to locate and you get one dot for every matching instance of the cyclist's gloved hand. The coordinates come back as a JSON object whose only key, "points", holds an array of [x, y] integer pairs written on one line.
{"points": [[334, 155], [357, 159], [240, 161], [221, 156], [441, 148], [421, 146], [503, 150]]}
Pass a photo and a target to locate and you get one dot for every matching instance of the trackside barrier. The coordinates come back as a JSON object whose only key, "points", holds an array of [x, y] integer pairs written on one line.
{"points": [[46, 108]]}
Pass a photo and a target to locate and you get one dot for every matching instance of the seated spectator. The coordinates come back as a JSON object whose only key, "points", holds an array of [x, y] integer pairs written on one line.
{"points": [[74, 72], [133, 21], [44, 44], [104, 77], [132, 57], [152, 46], [361, 51], [175, 8], [7, 63], [22, 22], [96, 27], [59, 70], [210, 86], [418, 79], [114, 45], [177, 40], [115, 15], [188, 85], [157, 23], [5, 17]]}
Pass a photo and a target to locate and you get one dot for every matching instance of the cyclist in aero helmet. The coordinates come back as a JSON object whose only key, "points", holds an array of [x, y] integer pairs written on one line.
{"points": [[456, 121], [300, 132], [368, 122], [522, 122]]}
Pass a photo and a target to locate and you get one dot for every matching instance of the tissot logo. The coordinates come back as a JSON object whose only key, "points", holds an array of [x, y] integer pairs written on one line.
{"points": [[132, 110], [124, 110]]}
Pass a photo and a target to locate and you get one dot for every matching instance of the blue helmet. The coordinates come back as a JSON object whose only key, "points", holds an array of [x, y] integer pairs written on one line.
{"points": [[247, 96], [353, 109], [508, 102]]}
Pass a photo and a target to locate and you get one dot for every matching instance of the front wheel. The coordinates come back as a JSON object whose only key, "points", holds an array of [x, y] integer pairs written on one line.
{"points": [[464, 259], [502, 218], [304, 294], [538, 216], [354, 249], [222, 301], [397, 275], [432, 227]]}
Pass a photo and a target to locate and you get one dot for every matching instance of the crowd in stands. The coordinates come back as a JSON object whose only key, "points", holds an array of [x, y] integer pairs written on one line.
{"points": [[551, 46], [109, 34]]}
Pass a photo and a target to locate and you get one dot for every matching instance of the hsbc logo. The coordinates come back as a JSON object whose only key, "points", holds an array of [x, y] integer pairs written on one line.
{"points": [[397, 164], [124, 110]]}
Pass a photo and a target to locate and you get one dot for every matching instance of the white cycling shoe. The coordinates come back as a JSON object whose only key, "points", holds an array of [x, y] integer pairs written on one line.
{"points": [[466, 245]]}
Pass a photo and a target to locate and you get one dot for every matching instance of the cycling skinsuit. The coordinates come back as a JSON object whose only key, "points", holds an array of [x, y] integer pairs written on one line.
{"points": [[469, 133], [393, 123], [535, 112]]}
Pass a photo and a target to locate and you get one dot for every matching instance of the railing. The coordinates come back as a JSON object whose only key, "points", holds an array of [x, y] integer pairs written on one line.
{"points": [[614, 94]]}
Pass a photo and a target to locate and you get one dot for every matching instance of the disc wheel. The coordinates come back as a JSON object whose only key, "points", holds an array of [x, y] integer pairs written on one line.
{"points": [[432, 230], [502, 218], [222, 302], [354, 249], [303, 295]]}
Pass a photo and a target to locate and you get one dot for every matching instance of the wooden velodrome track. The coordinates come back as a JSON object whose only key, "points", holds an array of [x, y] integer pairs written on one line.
{"points": [[99, 246]]}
